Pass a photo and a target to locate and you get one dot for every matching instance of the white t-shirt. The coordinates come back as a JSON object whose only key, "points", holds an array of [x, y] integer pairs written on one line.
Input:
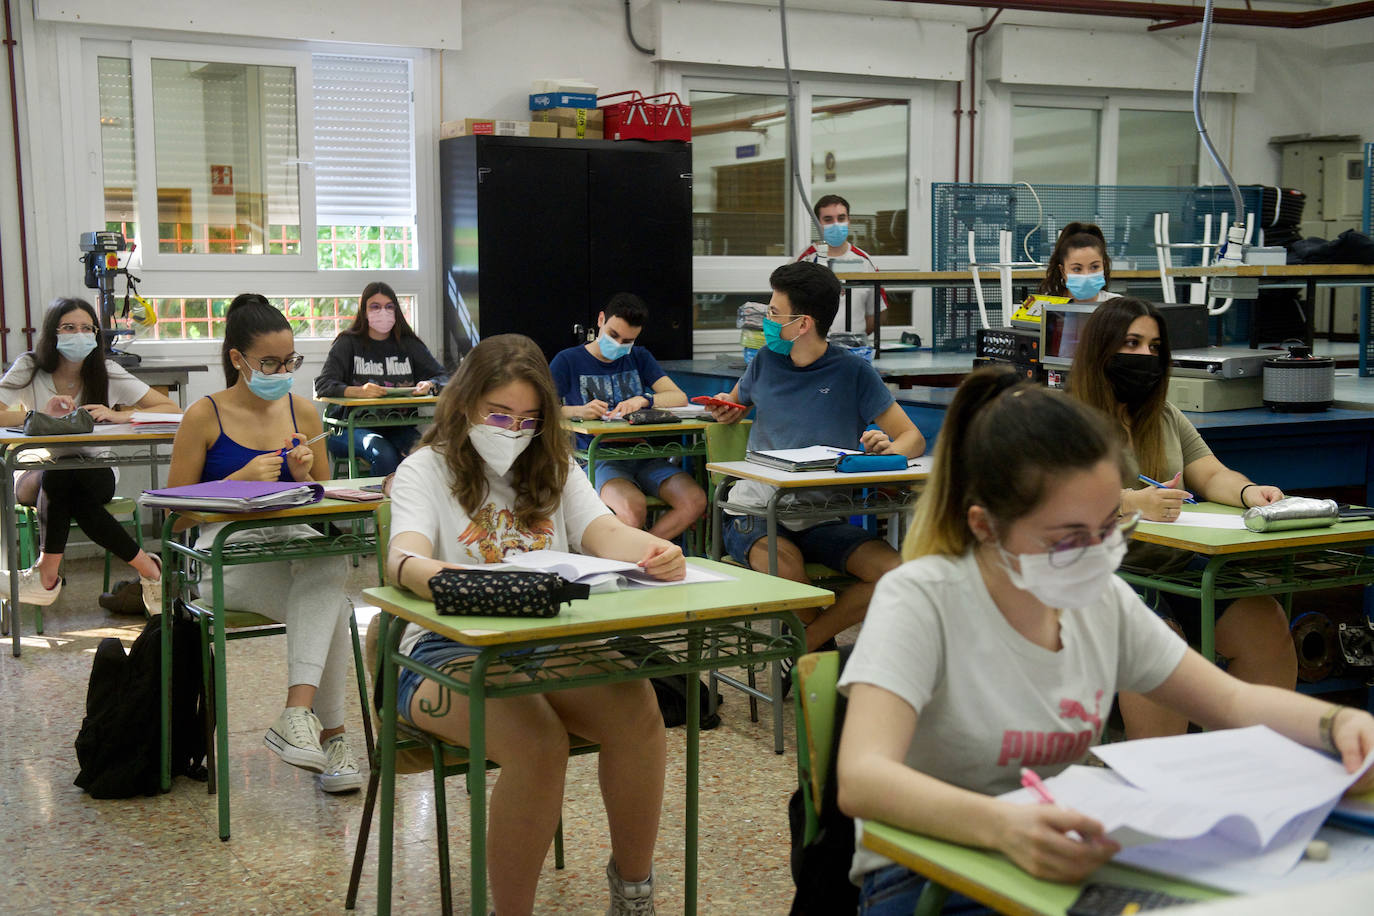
{"points": [[988, 700], [422, 501], [37, 390], [853, 261]]}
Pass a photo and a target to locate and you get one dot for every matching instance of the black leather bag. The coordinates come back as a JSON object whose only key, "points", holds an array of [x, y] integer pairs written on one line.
{"points": [[651, 415], [78, 421], [480, 593]]}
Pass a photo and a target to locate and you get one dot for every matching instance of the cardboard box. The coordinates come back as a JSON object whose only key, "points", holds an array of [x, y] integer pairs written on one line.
{"points": [[593, 118], [542, 100], [496, 128], [570, 133]]}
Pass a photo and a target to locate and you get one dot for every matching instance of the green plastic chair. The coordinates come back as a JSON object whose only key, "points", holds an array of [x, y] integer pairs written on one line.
{"points": [[817, 676]]}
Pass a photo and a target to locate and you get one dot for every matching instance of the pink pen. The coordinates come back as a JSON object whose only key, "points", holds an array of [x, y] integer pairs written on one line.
{"points": [[1030, 780]]}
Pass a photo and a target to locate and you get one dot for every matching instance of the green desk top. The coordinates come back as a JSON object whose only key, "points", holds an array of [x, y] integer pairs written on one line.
{"points": [[994, 880], [612, 612], [1212, 541]]}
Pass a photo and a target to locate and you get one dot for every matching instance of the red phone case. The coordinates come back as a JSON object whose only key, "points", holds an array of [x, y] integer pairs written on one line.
{"points": [[716, 402]]}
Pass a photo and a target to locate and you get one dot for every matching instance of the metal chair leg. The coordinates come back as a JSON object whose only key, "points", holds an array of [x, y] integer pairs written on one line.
{"points": [[355, 876]]}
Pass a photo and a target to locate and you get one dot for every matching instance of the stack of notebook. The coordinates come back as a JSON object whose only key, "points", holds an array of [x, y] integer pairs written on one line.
{"points": [[234, 496], [147, 422]]}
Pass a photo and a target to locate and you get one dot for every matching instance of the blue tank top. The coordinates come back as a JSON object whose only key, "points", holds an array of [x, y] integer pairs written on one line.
{"points": [[225, 456]]}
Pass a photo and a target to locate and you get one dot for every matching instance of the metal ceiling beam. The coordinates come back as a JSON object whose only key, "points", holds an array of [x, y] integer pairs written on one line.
{"points": [[1175, 13]]}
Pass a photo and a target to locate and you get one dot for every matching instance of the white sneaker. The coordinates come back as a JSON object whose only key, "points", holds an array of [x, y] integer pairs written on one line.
{"points": [[31, 590], [152, 591], [295, 736], [341, 773], [629, 898]]}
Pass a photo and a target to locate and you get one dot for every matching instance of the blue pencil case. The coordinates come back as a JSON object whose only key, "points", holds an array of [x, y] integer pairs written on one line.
{"points": [[864, 464]]}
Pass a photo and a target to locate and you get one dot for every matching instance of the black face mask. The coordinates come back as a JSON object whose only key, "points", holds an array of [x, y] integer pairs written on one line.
{"points": [[1134, 377]]}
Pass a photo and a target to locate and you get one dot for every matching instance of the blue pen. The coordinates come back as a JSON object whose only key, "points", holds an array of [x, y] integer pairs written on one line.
{"points": [[1155, 483]]}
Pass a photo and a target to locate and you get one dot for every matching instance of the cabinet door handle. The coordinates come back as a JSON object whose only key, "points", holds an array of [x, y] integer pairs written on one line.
{"points": [[482, 174]]}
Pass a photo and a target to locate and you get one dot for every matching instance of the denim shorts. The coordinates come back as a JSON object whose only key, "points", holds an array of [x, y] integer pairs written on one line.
{"points": [[649, 474], [437, 651], [830, 543], [894, 890]]}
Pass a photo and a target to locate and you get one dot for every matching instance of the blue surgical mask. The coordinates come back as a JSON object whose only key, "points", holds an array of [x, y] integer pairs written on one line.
{"points": [[835, 234], [773, 339], [612, 350], [75, 347], [270, 387], [1085, 286]]}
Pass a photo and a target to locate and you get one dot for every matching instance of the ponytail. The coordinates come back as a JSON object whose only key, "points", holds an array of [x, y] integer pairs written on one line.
{"points": [[1074, 236], [1002, 441]]}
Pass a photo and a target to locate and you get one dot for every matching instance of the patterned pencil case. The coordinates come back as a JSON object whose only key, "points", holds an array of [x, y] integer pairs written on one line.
{"points": [[479, 593]]}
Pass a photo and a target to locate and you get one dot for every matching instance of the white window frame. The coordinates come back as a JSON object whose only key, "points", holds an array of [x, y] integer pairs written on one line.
{"points": [[226, 276], [726, 274], [142, 55]]}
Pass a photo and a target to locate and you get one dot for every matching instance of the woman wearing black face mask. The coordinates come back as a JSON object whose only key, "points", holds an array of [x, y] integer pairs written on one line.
{"points": [[1121, 366]]}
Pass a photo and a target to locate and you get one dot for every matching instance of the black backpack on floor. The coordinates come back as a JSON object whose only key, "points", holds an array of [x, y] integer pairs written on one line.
{"points": [[671, 691], [117, 747]]}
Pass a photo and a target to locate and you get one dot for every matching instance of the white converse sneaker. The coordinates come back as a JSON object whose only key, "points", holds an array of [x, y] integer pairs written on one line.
{"points": [[31, 590], [295, 736], [629, 898], [152, 591], [341, 773]]}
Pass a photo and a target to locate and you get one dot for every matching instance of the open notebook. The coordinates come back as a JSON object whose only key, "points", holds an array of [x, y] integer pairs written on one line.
{"points": [[602, 575]]}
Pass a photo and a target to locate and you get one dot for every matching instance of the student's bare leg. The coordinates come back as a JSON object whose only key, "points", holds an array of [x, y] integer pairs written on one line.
{"points": [[686, 501], [527, 738], [625, 500], [1253, 634], [625, 720], [868, 563]]}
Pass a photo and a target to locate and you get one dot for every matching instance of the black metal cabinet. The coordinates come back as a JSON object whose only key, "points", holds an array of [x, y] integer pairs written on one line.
{"points": [[538, 235]]}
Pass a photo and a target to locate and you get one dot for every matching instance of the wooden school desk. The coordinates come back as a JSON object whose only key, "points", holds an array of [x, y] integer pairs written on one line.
{"points": [[698, 627], [118, 445], [995, 881], [1294, 561], [840, 503], [374, 413], [218, 554]]}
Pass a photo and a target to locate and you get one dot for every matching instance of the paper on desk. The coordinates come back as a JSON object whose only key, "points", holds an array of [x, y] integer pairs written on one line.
{"points": [[1191, 519], [601, 574]]}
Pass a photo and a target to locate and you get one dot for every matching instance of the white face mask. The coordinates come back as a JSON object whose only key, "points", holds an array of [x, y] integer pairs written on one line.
{"points": [[499, 447], [1074, 585]]}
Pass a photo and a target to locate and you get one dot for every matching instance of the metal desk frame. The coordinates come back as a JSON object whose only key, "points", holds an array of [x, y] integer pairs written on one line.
{"points": [[374, 413]]}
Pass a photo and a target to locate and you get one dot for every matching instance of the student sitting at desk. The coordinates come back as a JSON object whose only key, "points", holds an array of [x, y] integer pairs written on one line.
{"points": [[612, 377], [493, 477], [1121, 366], [808, 392], [65, 371], [1079, 267], [255, 429], [1000, 642], [378, 351]]}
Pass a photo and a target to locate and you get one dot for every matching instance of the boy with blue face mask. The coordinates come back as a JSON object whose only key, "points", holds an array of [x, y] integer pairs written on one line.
{"points": [[609, 378], [839, 254]]}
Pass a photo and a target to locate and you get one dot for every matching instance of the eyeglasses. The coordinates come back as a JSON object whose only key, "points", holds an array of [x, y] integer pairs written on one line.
{"points": [[271, 365], [781, 319], [381, 306], [1066, 552], [76, 329], [506, 421]]}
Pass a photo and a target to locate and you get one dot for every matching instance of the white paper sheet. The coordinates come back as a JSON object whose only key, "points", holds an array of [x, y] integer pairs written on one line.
{"points": [[601, 574], [1193, 519]]}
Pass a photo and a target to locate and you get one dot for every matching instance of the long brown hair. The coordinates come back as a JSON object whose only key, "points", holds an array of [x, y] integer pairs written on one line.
{"points": [[1074, 236], [542, 469], [1102, 336], [399, 331], [1001, 443]]}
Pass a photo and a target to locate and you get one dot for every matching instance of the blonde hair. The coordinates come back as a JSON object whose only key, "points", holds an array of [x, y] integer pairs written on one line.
{"points": [[1002, 441], [542, 469]]}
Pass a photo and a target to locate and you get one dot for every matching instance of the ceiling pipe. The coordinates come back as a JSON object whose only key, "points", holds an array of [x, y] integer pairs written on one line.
{"points": [[19, 198], [973, 84], [1175, 13]]}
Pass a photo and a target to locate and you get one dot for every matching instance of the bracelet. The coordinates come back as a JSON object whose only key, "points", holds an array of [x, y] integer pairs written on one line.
{"points": [[1326, 725], [401, 566], [1243, 504]]}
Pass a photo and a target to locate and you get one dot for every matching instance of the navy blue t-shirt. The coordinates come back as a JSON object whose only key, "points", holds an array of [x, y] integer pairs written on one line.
{"points": [[582, 378], [829, 402]]}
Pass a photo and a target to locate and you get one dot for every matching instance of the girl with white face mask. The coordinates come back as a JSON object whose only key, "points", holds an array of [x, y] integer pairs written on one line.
{"points": [[494, 476], [1002, 640], [67, 370]]}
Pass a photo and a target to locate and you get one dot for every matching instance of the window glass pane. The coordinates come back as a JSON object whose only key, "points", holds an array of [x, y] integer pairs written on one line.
{"points": [[226, 151], [718, 310], [739, 174], [200, 318], [859, 151], [116, 88], [1054, 145], [1157, 148]]}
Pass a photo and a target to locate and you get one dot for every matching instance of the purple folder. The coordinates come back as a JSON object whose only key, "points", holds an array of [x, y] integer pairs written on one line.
{"points": [[234, 495]]}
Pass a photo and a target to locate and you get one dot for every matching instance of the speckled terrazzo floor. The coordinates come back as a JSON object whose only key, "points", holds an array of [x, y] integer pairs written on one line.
{"points": [[292, 844]]}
